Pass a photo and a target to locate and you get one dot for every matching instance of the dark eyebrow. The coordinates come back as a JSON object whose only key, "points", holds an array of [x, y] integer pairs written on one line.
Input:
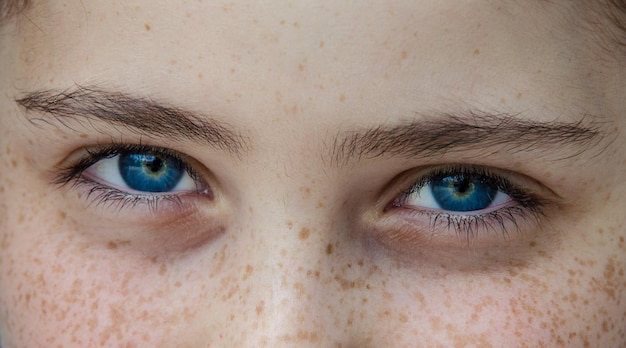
{"points": [[138, 114], [473, 131]]}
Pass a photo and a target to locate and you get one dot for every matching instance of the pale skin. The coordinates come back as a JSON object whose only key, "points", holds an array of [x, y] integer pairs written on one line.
{"points": [[297, 245]]}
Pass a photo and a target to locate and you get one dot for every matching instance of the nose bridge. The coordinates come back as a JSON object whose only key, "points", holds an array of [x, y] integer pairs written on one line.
{"points": [[294, 233]]}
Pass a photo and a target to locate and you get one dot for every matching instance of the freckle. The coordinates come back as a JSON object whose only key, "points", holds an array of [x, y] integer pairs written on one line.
{"points": [[404, 54], [532, 244], [520, 95], [300, 288], [283, 252], [147, 26], [476, 52], [178, 284], [342, 98], [300, 67], [289, 224], [503, 101], [329, 249], [322, 44], [173, 61], [304, 233], [296, 25], [200, 76], [306, 191], [162, 269], [403, 318], [111, 245], [13, 163], [249, 270], [609, 270], [259, 307]]}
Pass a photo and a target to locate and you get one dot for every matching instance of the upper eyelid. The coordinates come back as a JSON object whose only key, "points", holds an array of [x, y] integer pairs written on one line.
{"points": [[93, 154], [520, 183]]}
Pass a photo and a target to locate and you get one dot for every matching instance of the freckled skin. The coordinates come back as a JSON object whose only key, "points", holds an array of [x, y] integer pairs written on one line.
{"points": [[282, 257]]}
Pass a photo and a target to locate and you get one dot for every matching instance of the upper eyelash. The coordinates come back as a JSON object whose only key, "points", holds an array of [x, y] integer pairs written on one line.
{"points": [[528, 205], [75, 170], [100, 193], [516, 193]]}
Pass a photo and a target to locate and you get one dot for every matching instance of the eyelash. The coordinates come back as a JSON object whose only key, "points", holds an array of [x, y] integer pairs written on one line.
{"points": [[527, 205], [104, 194]]}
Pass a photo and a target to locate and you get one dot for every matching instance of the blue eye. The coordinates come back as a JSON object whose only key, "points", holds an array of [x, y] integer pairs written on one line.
{"points": [[462, 192], [142, 171], [149, 172], [456, 192]]}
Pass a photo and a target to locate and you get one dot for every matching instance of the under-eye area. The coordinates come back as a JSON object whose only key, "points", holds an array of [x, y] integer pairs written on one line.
{"points": [[157, 200], [126, 175], [461, 207]]}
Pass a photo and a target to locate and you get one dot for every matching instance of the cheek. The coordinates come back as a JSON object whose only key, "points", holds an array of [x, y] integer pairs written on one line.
{"points": [[58, 289], [56, 292], [516, 307]]}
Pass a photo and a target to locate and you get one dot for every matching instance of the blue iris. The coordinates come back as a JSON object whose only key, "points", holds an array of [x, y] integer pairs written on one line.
{"points": [[463, 192], [149, 172]]}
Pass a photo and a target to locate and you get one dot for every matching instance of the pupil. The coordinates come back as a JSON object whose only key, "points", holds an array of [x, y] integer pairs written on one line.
{"points": [[155, 164], [462, 185]]}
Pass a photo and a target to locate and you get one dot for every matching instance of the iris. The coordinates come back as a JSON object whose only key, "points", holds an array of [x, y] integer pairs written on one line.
{"points": [[150, 172], [463, 192]]}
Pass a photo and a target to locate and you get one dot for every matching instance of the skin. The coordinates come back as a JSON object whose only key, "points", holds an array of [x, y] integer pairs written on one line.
{"points": [[294, 249]]}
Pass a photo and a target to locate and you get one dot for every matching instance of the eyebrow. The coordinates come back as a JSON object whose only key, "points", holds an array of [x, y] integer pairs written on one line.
{"points": [[472, 131], [139, 114], [423, 137]]}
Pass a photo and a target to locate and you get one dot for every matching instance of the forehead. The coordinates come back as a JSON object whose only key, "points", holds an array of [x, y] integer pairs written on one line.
{"points": [[357, 55]]}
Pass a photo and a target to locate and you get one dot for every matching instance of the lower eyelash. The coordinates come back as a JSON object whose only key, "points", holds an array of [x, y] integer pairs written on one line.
{"points": [[100, 194], [469, 226]]}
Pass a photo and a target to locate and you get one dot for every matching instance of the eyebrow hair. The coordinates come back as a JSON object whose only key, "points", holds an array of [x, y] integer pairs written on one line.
{"points": [[138, 114], [450, 133]]}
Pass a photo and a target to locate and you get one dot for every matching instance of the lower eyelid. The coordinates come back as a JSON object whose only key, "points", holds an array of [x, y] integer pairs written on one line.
{"points": [[95, 194], [429, 231]]}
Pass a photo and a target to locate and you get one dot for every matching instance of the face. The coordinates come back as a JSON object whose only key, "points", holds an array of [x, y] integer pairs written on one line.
{"points": [[311, 174]]}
